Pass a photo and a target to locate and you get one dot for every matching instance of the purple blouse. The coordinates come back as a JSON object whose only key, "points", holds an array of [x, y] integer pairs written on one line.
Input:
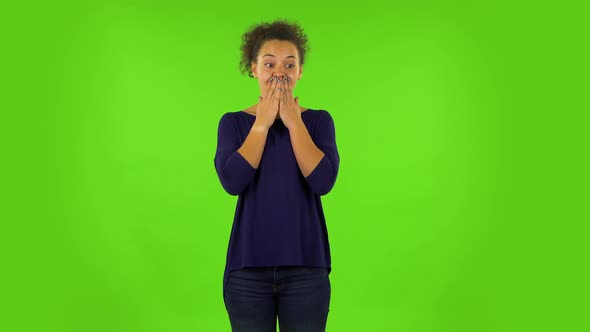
{"points": [[278, 219]]}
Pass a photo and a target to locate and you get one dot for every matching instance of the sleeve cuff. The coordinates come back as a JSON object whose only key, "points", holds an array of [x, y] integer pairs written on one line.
{"points": [[320, 178], [241, 166], [237, 173]]}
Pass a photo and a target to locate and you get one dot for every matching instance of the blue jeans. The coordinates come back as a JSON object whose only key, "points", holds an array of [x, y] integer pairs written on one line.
{"points": [[298, 295]]}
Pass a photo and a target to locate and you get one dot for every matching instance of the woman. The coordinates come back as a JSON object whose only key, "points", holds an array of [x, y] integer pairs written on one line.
{"points": [[279, 157]]}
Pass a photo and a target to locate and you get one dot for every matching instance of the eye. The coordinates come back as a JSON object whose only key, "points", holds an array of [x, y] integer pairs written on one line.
{"points": [[292, 65]]}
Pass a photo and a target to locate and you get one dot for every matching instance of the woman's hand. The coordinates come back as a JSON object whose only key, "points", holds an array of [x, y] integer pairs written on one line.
{"points": [[268, 106], [289, 109]]}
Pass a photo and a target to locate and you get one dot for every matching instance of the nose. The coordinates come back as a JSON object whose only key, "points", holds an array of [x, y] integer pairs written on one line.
{"points": [[280, 75]]}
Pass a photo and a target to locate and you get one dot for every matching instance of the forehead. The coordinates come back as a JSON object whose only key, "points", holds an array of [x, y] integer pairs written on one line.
{"points": [[278, 49]]}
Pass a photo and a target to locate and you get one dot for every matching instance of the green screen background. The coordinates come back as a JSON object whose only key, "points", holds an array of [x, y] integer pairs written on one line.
{"points": [[459, 204]]}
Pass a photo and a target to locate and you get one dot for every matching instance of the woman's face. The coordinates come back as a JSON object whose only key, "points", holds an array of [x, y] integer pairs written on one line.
{"points": [[276, 58]]}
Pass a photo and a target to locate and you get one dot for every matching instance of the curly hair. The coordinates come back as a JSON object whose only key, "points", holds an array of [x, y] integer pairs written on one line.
{"points": [[254, 38]]}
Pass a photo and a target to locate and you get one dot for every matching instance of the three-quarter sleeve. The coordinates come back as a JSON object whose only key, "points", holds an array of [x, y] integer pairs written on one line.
{"points": [[233, 170], [323, 177]]}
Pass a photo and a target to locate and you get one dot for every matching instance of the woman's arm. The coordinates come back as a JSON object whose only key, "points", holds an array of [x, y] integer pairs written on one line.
{"points": [[254, 143], [308, 155], [318, 158], [234, 171]]}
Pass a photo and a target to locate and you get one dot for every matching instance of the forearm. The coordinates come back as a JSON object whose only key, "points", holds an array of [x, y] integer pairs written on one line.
{"points": [[308, 155], [253, 145]]}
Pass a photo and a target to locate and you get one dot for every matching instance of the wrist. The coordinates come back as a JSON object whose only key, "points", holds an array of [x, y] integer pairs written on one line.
{"points": [[259, 127], [297, 124]]}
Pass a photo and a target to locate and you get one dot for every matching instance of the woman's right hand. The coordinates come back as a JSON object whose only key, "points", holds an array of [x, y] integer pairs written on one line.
{"points": [[268, 105]]}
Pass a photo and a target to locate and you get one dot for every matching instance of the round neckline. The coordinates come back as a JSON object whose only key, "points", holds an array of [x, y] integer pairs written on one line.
{"points": [[254, 115]]}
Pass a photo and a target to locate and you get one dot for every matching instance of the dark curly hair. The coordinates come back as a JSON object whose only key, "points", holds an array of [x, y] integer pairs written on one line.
{"points": [[257, 34]]}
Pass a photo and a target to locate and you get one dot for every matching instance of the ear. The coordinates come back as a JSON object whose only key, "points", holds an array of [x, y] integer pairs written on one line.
{"points": [[300, 72], [253, 64]]}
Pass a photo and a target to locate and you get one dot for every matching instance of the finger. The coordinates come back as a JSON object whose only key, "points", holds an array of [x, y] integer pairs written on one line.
{"points": [[279, 89], [271, 89], [282, 97], [286, 91], [289, 89]]}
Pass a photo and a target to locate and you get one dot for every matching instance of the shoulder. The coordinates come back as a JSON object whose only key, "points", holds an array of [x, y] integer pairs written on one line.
{"points": [[315, 118], [319, 123], [322, 113], [236, 121], [226, 117], [322, 117], [235, 116], [228, 121], [316, 112]]}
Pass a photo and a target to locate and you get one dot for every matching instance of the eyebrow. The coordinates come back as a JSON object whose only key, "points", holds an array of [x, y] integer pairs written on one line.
{"points": [[289, 56]]}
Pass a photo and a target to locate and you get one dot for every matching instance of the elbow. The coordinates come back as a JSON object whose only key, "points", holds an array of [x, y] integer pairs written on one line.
{"points": [[322, 179], [325, 187], [229, 187], [232, 191], [234, 177], [232, 186]]}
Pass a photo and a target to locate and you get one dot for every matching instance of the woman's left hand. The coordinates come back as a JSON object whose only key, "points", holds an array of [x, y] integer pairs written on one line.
{"points": [[289, 109]]}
